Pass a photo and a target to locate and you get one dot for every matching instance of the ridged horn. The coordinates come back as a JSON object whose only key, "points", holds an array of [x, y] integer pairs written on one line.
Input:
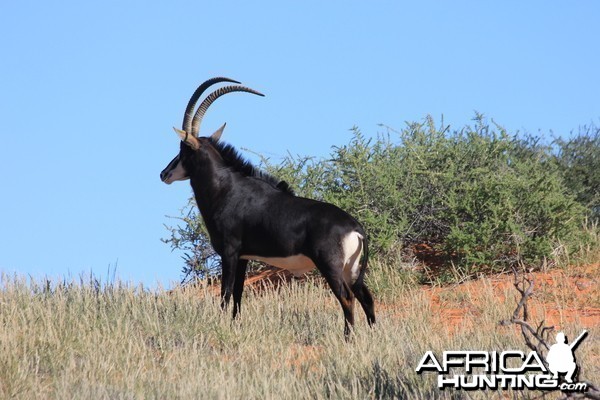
{"points": [[211, 98], [189, 110]]}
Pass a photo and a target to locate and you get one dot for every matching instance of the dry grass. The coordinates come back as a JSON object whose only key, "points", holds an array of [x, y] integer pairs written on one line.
{"points": [[121, 342]]}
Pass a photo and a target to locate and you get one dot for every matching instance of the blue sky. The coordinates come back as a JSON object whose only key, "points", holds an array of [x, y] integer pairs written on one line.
{"points": [[89, 92]]}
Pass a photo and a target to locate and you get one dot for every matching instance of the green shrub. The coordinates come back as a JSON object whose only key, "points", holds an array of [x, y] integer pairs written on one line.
{"points": [[579, 160], [481, 198]]}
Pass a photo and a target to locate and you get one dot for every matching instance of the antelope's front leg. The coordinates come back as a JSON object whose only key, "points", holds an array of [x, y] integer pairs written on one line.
{"points": [[229, 261], [238, 286]]}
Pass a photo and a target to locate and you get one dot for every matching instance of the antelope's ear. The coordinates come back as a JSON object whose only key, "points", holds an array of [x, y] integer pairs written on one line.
{"points": [[217, 135], [190, 140]]}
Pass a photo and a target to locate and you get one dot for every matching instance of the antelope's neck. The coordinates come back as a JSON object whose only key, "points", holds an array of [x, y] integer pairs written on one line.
{"points": [[211, 183]]}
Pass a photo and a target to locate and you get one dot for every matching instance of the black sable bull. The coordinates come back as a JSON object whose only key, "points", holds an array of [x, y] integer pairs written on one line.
{"points": [[251, 215]]}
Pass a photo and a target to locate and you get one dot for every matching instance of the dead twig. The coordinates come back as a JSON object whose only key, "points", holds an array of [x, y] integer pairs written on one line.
{"points": [[536, 338]]}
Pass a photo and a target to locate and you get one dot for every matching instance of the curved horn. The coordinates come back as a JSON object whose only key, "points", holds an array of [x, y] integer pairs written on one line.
{"points": [[211, 98], [189, 110]]}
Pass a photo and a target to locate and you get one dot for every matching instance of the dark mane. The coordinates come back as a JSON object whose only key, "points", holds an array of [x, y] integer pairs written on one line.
{"points": [[234, 160]]}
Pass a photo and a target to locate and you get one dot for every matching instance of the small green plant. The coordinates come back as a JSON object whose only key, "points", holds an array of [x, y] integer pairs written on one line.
{"points": [[191, 237]]}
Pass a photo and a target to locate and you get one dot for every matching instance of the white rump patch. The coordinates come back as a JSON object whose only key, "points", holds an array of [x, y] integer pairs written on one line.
{"points": [[352, 247], [297, 265]]}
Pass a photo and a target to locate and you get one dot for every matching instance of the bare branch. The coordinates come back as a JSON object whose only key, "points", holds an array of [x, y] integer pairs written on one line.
{"points": [[535, 338]]}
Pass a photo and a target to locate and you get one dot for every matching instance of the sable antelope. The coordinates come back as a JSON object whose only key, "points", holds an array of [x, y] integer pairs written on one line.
{"points": [[251, 215]]}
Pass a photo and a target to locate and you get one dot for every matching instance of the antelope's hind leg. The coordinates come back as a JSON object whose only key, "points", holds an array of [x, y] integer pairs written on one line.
{"points": [[334, 276], [364, 297]]}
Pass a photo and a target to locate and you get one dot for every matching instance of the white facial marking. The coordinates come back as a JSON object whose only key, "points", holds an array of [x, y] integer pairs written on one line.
{"points": [[174, 172], [177, 174]]}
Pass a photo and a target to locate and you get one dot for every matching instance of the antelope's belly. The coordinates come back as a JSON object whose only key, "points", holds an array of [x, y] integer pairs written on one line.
{"points": [[297, 265]]}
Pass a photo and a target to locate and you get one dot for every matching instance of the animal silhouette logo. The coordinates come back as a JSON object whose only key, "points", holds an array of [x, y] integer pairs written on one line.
{"points": [[561, 358]]}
